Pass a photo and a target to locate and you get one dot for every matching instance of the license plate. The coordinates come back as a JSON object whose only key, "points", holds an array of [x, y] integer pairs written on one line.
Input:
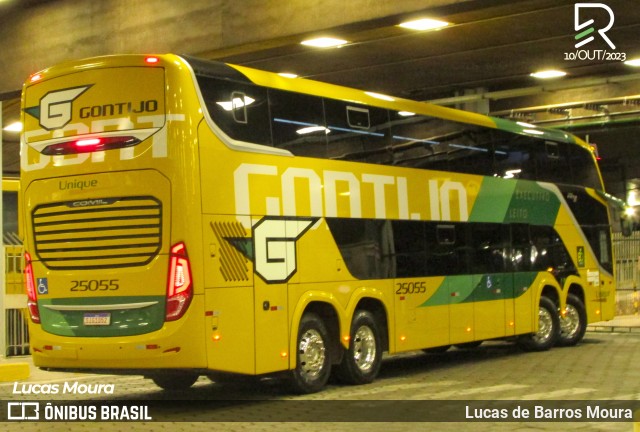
{"points": [[97, 319]]}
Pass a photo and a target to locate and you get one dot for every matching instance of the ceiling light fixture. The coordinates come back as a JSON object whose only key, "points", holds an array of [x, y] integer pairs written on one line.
{"points": [[424, 24], [633, 62], [324, 42], [14, 127], [548, 74]]}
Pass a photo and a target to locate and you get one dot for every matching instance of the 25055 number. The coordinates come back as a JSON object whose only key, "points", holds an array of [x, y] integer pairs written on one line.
{"points": [[404, 288], [95, 285]]}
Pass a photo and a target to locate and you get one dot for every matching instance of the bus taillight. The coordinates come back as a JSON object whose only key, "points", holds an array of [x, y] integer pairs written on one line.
{"points": [[179, 284], [32, 296], [88, 145]]}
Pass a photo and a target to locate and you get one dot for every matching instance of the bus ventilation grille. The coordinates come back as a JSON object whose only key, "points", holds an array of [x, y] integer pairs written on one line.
{"points": [[98, 233], [233, 263]]}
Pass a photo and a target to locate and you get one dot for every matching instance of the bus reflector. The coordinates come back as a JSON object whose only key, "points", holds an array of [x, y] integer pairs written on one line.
{"points": [[179, 285], [88, 145], [151, 60], [32, 296]]}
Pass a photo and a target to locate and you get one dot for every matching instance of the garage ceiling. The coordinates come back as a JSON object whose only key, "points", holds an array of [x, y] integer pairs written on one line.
{"points": [[489, 45]]}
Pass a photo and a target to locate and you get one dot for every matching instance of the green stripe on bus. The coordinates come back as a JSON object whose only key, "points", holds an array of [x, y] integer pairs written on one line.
{"points": [[493, 200], [519, 201], [478, 288], [123, 322], [532, 204], [540, 133]]}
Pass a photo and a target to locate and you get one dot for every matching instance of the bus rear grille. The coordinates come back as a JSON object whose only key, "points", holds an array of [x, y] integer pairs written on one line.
{"points": [[98, 233]]}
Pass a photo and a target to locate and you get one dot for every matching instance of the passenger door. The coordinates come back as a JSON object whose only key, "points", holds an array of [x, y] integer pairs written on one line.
{"points": [[492, 284]]}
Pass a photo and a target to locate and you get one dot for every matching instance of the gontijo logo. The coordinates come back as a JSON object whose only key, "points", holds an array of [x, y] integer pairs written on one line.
{"points": [[54, 111], [581, 25]]}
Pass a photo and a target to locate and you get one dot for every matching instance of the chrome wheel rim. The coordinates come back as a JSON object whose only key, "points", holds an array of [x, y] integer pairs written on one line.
{"points": [[364, 348], [570, 322], [312, 354], [545, 326]]}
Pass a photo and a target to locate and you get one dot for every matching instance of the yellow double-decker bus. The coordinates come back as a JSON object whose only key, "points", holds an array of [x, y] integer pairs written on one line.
{"points": [[186, 217]]}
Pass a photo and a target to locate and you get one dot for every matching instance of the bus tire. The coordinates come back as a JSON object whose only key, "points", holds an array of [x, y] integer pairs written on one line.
{"points": [[233, 379], [362, 360], [548, 328], [437, 350], [574, 323], [313, 365], [174, 381], [468, 345]]}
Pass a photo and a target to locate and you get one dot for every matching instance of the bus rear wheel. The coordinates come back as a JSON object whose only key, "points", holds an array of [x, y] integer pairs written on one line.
{"points": [[437, 350], [313, 365], [468, 345], [174, 381], [548, 328], [361, 362], [573, 324]]}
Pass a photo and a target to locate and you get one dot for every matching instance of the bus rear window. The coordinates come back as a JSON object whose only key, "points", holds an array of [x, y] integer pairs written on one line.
{"points": [[241, 110]]}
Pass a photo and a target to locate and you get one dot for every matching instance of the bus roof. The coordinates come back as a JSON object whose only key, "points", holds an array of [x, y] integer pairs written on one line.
{"points": [[311, 87], [318, 88]]}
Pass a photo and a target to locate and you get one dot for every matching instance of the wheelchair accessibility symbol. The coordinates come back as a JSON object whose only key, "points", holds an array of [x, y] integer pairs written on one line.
{"points": [[43, 286]]}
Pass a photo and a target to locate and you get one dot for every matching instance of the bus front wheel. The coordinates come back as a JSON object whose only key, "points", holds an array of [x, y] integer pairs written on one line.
{"points": [[548, 328], [361, 362], [313, 365]]}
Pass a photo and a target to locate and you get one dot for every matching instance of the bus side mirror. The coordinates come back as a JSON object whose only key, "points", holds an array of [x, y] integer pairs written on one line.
{"points": [[629, 220], [626, 225]]}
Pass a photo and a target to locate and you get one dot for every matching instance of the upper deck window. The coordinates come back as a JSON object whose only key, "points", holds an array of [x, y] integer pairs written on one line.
{"points": [[241, 110], [313, 126]]}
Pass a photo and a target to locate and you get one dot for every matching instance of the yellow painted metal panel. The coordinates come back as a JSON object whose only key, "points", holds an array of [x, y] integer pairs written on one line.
{"points": [[230, 329]]}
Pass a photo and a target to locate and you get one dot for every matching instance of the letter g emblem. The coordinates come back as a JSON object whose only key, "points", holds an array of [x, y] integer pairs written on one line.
{"points": [[55, 107]]}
